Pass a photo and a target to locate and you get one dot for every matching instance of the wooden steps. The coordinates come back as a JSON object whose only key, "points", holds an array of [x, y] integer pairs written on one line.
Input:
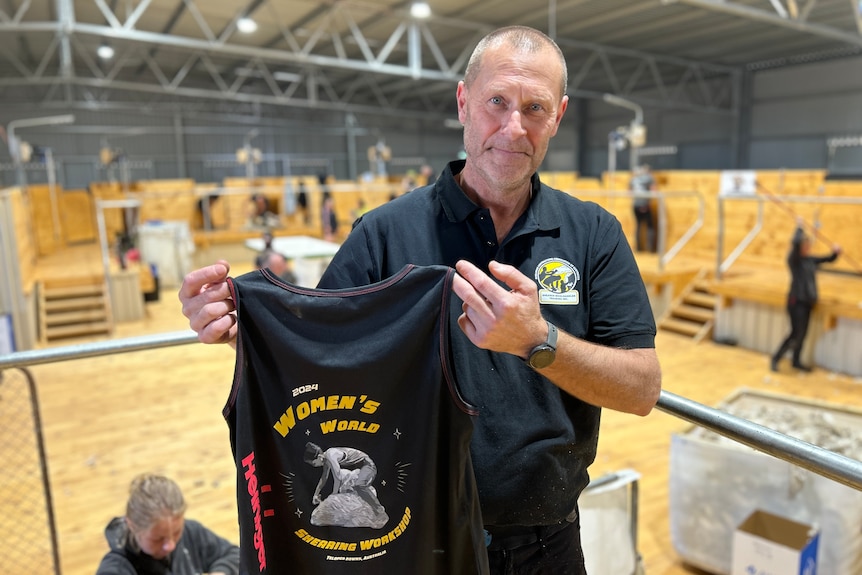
{"points": [[76, 310], [693, 313]]}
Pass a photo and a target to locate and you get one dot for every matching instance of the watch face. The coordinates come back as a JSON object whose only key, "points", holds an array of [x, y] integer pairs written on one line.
{"points": [[542, 357]]}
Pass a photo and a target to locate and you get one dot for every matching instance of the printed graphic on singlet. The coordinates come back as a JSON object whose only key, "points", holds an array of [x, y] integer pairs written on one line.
{"points": [[558, 280], [333, 483]]}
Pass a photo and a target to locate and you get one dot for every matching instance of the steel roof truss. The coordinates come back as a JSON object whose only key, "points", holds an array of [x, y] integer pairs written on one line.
{"points": [[757, 14], [183, 72], [609, 71], [315, 55], [18, 64], [109, 15], [19, 14], [657, 78], [47, 57], [214, 73], [84, 54], [198, 17], [154, 67]]}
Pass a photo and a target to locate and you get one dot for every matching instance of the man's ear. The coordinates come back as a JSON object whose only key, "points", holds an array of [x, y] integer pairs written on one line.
{"points": [[461, 98]]}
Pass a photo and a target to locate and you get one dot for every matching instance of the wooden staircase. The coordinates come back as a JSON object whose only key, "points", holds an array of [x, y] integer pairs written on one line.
{"points": [[73, 309], [692, 313]]}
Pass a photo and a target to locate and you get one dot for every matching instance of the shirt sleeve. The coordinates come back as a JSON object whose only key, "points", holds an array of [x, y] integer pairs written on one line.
{"points": [[354, 263], [619, 307], [115, 564], [216, 553]]}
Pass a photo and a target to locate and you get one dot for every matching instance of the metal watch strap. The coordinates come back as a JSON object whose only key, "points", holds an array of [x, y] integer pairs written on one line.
{"points": [[552, 335]]}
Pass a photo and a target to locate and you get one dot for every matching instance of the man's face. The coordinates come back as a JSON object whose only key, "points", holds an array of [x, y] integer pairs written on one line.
{"points": [[510, 112]]}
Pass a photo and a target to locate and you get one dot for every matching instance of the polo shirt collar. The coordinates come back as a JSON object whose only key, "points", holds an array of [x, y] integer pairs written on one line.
{"points": [[543, 212]]}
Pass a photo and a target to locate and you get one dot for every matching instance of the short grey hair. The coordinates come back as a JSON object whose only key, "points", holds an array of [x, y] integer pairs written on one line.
{"points": [[525, 40]]}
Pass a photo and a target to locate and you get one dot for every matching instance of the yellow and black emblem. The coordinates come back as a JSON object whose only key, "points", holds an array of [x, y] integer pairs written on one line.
{"points": [[558, 280]]}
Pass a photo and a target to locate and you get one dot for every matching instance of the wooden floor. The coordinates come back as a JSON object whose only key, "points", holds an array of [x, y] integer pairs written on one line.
{"points": [[107, 419]]}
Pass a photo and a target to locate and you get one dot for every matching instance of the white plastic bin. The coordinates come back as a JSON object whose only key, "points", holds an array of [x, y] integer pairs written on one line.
{"points": [[715, 483]]}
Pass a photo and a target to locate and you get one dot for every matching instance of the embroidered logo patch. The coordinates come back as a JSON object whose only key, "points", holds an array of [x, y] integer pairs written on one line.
{"points": [[558, 280]]}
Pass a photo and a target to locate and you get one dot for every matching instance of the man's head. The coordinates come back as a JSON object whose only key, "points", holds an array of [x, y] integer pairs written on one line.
{"points": [[511, 102], [522, 39], [276, 262]]}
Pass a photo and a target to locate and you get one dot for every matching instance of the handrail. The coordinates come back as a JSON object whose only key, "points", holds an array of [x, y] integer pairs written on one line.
{"points": [[665, 256], [811, 457], [723, 266], [95, 349]]}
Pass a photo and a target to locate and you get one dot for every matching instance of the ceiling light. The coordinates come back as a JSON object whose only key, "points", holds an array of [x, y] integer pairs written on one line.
{"points": [[246, 25], [420, 10], [105, 52]]}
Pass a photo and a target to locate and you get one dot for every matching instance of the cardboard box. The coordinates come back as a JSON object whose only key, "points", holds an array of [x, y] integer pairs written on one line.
{"points": [[767, 544]]}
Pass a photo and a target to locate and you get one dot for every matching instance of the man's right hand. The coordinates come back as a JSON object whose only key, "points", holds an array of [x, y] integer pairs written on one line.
{"points": [[208, 305]]}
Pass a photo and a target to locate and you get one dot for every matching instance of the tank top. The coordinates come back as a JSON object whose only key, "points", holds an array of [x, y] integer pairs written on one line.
{"points": [[350, 437]]}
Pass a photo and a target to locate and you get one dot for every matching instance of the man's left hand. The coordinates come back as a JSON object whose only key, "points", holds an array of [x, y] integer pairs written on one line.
{"points": [[495, 318]]}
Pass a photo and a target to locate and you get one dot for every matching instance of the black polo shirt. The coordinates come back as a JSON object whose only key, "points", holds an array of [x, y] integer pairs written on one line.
{"points": [[532, 442]]}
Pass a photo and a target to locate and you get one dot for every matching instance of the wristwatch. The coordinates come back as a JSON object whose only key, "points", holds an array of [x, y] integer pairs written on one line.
{"points": [[544, 354]]}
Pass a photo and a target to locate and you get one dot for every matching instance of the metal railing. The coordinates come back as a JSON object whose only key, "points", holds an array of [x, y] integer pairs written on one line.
{"points": [[821, 461], [723, 264], [664, 255]]}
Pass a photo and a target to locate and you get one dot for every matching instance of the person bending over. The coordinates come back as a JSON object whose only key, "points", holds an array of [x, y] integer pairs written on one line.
{"points": [[155, 538]]}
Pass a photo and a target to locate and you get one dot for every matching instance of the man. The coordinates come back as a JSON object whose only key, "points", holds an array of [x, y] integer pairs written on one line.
{"points": [[802, 295], [280, 266], [540, 357], [643, 182]]}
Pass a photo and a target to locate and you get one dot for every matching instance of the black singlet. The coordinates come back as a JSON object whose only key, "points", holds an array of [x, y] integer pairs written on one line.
{"points": [[351, 441]]}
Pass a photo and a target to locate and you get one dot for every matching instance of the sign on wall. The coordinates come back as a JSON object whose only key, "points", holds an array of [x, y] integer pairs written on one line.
{"points": [[738, 183]]}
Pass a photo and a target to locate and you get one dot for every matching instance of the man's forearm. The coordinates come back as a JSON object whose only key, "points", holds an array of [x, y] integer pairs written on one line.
{"points": [[627, 380]]}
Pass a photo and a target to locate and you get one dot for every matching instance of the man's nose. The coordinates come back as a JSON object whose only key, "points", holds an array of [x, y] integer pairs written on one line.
{"points": [[513, 124]]}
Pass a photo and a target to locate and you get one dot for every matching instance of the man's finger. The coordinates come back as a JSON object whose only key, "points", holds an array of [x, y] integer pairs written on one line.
{"points": [[485, 287], [512, 277], [196, 280]]}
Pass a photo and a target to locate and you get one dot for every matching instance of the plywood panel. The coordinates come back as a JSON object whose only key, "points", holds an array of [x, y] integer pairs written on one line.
{"points": [[24, 238], [42, 209], [79, 217]]}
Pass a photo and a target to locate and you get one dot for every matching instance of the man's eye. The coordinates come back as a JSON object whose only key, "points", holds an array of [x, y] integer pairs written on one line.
{"points": [[536, 108], [496, 100]]}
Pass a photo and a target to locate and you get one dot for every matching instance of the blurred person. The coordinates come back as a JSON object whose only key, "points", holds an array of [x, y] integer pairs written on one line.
{"points": [[261, 214], [154, 537], [302, 202], [645, 232], [802, 296], [280, 266], [328, 217]]}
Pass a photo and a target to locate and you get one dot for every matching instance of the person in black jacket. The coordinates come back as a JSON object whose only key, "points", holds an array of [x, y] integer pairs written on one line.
{"points": [[802, 295], [154, 538]]}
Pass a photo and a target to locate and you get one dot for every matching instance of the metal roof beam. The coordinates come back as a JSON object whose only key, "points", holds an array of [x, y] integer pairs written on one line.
{"points": [[209, 64], [758, 15]]}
